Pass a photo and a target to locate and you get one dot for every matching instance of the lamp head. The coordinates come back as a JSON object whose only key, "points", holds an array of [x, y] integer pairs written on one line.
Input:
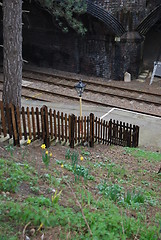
{"points": [[80, 88]]}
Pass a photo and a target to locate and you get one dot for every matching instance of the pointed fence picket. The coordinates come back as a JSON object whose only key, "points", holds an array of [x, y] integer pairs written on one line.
{"points": [[49, 125]]}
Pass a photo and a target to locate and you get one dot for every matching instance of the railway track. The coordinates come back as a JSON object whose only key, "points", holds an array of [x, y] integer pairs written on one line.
{"points": [[45, 83]]}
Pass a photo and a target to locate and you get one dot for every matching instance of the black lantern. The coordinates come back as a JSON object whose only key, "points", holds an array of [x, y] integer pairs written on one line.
{"points": [[80, 88]]}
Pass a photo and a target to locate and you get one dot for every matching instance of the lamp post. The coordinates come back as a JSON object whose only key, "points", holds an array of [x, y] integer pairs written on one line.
{"points": [[80, 89]]}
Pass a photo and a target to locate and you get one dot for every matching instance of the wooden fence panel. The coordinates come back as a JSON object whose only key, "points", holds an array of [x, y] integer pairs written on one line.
{"points": [[46, 124], [38, 123], [14, 126], [91, 130], [46, 127], [58, 118], [76, 129], [29, 123], [69, 128], [101, 130], [51, 124], [85, 129], [72, 124], [96, 129], [55, 130], [88, 128], [18, 119], [62, 126], [66, 128], [24, 123], [33, 123], [8, 119], [106, 139], [79, 129]]}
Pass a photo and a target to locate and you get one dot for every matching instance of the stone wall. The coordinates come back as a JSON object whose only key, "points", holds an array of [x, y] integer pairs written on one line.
{"points": [[101, 52], [129, 12]]}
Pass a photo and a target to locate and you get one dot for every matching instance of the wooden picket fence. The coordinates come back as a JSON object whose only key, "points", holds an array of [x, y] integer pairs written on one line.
{"points": [[49, 125]]}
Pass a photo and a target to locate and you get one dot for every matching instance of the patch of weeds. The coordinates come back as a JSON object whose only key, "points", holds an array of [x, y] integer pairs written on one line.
{"points": [[51, 180], [116, 170], [99, 165], [108, 223], [113, 192], [85, 153], [13, 174], [157, 177], [134, 198], [46, 155], [104, 218], [78, 170], [146, 183], [10, 149], [142, 154], [68, 154]]}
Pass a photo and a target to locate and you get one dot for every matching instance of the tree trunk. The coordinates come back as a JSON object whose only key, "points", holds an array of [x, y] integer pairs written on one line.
{"points": [[12, 51]]}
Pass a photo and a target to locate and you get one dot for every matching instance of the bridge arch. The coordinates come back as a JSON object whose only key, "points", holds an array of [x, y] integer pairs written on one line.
{"points": [[110, 21], [149, 21]]}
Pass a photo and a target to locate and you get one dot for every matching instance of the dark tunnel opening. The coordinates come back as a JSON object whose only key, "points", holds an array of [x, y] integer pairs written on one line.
{"points": [[152, 46]]}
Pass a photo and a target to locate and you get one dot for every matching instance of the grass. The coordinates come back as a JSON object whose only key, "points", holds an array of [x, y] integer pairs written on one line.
{"points": [[142, 154], [83, 195]]}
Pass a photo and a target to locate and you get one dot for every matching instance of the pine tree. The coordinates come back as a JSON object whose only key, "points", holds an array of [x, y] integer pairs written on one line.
{"points": [[12, 39]]}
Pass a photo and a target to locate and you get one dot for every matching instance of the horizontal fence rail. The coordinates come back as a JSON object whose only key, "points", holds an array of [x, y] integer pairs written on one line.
{"points": [[49, 125]]}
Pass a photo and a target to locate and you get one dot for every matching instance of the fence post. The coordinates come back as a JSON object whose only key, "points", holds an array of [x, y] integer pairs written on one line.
{"points": [[137, 136], [109, 131], [46, 138], [72, 124], [91, 142], [135, 139], [16, 139]]}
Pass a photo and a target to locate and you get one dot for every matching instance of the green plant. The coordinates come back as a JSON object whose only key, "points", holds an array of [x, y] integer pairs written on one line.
{"points": [[46, 158], [113, 192], [10, 149], [13, 174], [132, 198], [142, 154], [68, 154], [78, 171]]}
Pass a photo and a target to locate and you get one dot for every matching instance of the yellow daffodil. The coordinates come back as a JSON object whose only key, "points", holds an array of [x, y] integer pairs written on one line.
{"points": [[81, 158], [51, 154], [43, 146], [46, 152], [62, 165], [28, 141], [41, 225]]}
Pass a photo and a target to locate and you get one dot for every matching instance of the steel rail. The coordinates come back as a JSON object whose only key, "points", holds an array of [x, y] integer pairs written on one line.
{"points": [[96, 84], [103, 93], [98, 103]]}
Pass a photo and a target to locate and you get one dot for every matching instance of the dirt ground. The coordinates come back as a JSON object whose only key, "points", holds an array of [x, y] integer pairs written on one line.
{"points": [[138, 171]]}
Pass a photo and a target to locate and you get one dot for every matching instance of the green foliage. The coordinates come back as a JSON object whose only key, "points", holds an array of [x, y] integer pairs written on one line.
{"points": [[46, 158], [105, 220], [142, 154], [13, 174], [133, 198], [78, 171], [69, 10], [68, 154], [10, 149], [109, 213], [113, 192]]}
